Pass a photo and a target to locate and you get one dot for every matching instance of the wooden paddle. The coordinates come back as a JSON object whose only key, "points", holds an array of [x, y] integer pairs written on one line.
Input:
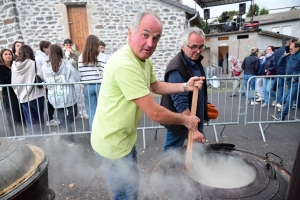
{"points": [[191, 132]]}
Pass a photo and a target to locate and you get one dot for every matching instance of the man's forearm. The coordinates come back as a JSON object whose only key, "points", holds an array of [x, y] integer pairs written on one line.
{"points": [[167, 88]]}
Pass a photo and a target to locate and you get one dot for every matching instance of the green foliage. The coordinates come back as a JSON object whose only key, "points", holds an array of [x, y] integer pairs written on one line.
{"points": [[293, 8], [263, 11], [256, 11], [203, 26], [253, 10]]}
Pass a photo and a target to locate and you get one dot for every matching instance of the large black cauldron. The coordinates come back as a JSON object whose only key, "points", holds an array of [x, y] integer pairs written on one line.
{"points": [[169, 179], [23, 172]]}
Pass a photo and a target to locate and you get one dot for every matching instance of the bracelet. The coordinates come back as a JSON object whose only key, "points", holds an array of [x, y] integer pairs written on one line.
{"points": [[184, 87]]}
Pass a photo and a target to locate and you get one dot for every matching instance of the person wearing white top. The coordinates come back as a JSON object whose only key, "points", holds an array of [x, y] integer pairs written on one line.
{"points": [[41, 57], [91, 65]]}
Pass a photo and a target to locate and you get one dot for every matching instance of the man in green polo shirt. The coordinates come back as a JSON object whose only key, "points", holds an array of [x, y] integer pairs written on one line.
{"points": [[125, 93]]}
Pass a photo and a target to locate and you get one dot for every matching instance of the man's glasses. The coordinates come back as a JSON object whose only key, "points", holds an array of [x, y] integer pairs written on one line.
{"points": [[195, 47]]}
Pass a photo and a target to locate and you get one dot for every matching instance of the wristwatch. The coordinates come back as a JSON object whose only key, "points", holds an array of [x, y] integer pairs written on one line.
{"points": [[184, 87]]}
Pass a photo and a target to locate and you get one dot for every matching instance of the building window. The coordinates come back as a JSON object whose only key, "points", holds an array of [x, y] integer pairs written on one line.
{"points": [[287, 30], [275, 29]]}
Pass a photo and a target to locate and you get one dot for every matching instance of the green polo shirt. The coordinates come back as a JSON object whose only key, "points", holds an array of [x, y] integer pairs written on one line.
{"points": [[114, 130]]}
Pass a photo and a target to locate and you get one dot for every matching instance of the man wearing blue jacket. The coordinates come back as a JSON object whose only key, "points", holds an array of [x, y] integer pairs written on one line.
{"points": [[280, 70]]}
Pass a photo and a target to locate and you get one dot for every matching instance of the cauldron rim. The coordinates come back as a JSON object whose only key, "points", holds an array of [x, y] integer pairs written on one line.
{"points": [[231, 192]]}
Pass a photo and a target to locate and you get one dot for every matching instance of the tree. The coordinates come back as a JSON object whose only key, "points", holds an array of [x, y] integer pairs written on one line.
{"points": [[254, 11], [263, 11], [293, 8]]}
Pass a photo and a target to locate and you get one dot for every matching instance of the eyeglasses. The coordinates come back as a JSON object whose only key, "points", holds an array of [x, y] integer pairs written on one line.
{"points": [[195, 47]]}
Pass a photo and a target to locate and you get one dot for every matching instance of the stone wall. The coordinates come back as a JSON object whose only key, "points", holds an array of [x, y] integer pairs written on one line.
{"points": [[35, 20]]}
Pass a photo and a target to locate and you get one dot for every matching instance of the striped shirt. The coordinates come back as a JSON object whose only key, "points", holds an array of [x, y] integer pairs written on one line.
{"points": [[89, 72]]}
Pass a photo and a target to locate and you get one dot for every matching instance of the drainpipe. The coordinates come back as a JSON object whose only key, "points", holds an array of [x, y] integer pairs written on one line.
{"points": [[197, 13]]}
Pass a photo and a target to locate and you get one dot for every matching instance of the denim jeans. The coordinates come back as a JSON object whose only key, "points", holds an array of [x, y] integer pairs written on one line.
{"points": [[14, 114], [279, 85], [252, 84], [91, 92], [122, 175], [290, 98], [173, 141], [268, 83], [34, 114], [66, 116]]}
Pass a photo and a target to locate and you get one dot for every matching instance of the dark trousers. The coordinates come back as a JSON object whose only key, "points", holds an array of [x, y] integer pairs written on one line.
{"points": [[14, 114], [34, 115], [50, 108], [66, 117]]}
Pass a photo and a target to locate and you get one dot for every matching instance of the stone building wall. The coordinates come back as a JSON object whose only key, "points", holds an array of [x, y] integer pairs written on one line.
{"points": [[36, 20]]}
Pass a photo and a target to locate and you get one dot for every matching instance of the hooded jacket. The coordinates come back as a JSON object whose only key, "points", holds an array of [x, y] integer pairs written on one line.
{"points": [[41, 58], [61, 96], [24, 73]]}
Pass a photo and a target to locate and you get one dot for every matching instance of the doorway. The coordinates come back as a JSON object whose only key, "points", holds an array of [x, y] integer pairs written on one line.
{"points": [[78, 25], [223, 59]]}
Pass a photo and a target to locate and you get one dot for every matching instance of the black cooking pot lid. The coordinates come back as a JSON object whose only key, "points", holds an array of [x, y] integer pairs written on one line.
{"points": [[15, 160]]}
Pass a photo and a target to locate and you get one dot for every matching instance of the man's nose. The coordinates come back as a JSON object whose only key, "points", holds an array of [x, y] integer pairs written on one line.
{"points": [[150, 42]]}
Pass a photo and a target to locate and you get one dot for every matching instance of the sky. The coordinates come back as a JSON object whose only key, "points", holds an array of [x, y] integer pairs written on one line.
{"points": [[268, 4]]}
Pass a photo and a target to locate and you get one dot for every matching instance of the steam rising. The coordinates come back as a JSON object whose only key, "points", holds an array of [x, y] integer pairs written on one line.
{"points": [[221, 170], [169, 179]]}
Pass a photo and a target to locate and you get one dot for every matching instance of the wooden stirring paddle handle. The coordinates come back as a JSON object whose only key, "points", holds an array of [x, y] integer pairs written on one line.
{"points": [[191, 133]]}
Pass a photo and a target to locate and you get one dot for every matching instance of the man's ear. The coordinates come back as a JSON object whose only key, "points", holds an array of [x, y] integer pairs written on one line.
{"points": [[129, 32]]}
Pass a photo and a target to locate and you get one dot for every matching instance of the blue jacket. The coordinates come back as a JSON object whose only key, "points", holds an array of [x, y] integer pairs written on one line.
{"points": [[270, 64], [291, 63], [280, 69]]}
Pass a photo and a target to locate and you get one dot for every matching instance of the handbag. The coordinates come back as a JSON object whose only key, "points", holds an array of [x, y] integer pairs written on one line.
{"points": [[235, 73], [269, 73], [37, 79], [212, 112]]}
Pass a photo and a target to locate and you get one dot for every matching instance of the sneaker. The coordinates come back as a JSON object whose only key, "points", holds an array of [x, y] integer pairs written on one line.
{"points": [[294, 106], [277, 117], [278, 105], [274, 103], [253, 103], [85, 116], [259, 99], [52, 122], [71, 144], [264, 105], [247, 101]]}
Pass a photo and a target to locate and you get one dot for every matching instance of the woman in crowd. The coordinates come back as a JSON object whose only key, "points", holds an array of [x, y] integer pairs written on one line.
{"points": [[15, 49], [41, 58], [91, 64], [269, 67], [10, 100], [260, 81], [30, 97], [250, 66], [62, 97], [291, 61], [237, 72]]}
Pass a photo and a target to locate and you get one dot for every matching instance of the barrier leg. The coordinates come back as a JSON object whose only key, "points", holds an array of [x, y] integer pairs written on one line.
{"points": [[222, 130], [216, 135], [144, 138], [262, 131], [155, 134]]}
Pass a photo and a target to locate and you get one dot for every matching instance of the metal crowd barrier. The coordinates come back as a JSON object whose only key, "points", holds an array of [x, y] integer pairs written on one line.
{"points": [[219, 89], [258, 114]]}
